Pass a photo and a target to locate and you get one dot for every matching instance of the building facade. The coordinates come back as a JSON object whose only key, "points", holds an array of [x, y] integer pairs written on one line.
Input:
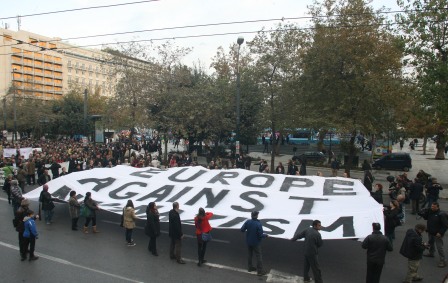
{"points": [[41, 67]]}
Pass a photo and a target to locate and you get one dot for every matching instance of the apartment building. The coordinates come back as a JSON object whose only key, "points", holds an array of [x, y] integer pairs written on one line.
{"points": [[45, 68]]}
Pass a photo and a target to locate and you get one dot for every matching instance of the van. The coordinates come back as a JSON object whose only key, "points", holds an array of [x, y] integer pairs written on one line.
{"points": [[397, 161]]}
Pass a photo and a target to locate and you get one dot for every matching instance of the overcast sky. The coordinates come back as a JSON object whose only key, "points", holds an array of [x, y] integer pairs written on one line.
{"points": [[158, 14]]}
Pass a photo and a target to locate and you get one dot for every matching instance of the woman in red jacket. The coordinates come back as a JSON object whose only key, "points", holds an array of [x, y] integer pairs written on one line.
{"points": [[202, 227]]}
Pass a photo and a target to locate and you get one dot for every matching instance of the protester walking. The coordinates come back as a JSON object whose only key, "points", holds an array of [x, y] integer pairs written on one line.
{"points": [[92, 207], [175, 234], [30, 235], [152, 228], [313, 241], [437, 224], [376, 245], [412, 248], [254, 235], [129, 218], [203, 229], [73, 208], [47, 205]]}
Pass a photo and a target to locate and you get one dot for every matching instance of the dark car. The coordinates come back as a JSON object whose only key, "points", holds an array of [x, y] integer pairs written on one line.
{"points": [[311, 157], [397, 161]]}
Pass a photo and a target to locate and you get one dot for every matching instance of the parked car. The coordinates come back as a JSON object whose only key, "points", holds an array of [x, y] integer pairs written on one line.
{"points": [[397, 161], [312, 157]]}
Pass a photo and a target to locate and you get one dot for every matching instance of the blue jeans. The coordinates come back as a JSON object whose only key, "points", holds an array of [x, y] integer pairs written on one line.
{"points": [[128, 235], [48, 214]]}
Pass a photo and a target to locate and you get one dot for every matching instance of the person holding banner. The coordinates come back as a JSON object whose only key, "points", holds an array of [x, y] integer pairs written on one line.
{"points": [[313, 241], [47, 204], [129, 218], [93, 207], [202, 227], [254, 235], [152, 227], [74, 208], [175, 234]]}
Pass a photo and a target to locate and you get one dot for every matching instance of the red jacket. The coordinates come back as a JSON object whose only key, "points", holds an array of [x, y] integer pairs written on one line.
{"points": [[204, 226]]}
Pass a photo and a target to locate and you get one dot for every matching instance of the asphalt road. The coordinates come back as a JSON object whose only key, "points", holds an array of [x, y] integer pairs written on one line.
{"points": [[68, 256]]}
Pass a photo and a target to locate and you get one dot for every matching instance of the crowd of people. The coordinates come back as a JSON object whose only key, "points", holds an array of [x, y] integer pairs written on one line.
{"points": [[402, 191]]}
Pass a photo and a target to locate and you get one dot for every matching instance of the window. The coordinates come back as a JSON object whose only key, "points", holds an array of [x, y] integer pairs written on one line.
{"points": [[69, 63], [69, 70]]}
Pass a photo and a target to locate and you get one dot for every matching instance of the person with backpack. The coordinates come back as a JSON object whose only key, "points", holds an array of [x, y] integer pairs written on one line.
{"points": [[437, 224]]}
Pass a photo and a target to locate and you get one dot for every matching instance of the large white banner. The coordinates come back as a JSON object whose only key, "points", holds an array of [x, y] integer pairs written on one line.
{"points": [[287, 204]]}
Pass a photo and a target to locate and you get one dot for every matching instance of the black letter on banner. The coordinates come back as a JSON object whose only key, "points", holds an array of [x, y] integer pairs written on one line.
{"points": [[233, 222], [274, 229], [211, 199], [174, 176], [289, 182], [113, 194], [159, 194], [307, 203], [101, 183], [329, 188], [220, 177], [246, 196], [348, 230], [180, 194], [144, 174], [247, 181], [62, 192], [141, 209]]}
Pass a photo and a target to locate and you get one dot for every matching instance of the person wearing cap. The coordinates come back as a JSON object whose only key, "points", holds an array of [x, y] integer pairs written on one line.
{"points": [[16, 195], [376, 245], [254, 235], [313, 241]]}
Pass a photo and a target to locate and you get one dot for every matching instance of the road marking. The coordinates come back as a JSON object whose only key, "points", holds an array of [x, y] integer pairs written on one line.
{"points": [[165, 232], [62, 261]]}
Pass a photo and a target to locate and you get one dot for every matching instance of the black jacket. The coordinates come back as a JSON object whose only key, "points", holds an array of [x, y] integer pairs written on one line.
{"points": [[415, 191], [412, 247], [152, 228], [437, 222], [175, 226], [376, 245]]}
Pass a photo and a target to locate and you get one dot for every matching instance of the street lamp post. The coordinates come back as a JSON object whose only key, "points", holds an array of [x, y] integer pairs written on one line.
{"points": [[240, 41]]}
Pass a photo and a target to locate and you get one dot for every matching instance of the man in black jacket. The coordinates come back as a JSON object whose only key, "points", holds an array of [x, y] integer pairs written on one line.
{"points": [[313, 241], [412, 248], [415, 192], [376, 245], [175, 234], [437, 223]]}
